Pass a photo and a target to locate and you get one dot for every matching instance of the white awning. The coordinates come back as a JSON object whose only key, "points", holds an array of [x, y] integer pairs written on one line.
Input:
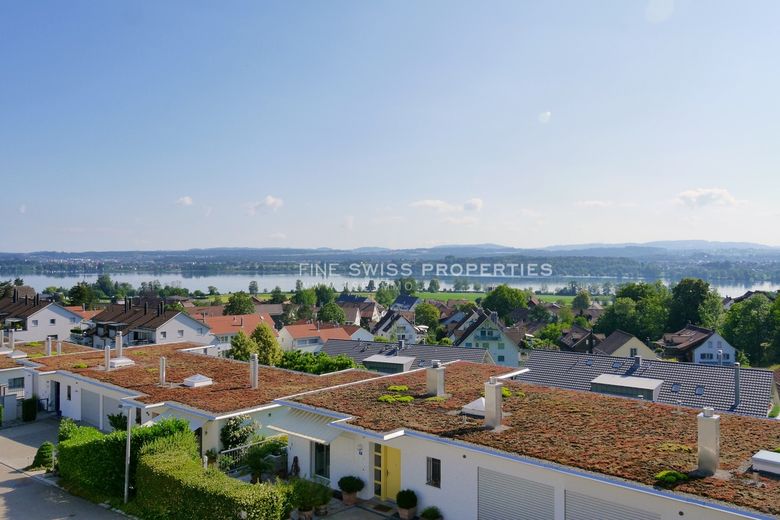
{"points": [[311, 426], [194, 422]]}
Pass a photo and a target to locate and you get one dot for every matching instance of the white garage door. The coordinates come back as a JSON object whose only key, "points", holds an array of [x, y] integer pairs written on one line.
{"points": [[502, 496], [90, 407], [584, 507], [110, 407]]}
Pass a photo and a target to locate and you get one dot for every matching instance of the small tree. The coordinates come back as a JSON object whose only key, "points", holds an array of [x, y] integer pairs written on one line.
{"points": [[253, 287], [236, 432], [239, 303], [118, 421], [426, 314], [268, 350], [332, 313], [434, 285], [277, 296], [581, 302], [241, 346]]}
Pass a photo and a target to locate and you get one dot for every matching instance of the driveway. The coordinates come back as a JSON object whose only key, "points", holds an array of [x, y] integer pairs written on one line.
{"points": [[25, 498]]}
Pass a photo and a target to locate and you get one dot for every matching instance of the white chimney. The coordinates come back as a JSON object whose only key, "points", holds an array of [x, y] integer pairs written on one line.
{"points": [[709, 441], [47, 350], [107, 356], [119, 344], [493, 403], [13, 339], [162, 370], [434, 377], [637, 362], [59, 347], [401, 344], [254, 371], [736, 384]]}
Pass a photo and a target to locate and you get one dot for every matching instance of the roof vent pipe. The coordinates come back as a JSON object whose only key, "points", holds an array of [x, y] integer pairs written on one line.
{"points": [[709, 441], [254, 371], [401, 344], [47, 350], [59, 347], [493, 403], [434, 378], [736, 384], [162, 370], [107, 356], [13, 339], [119, 344]]}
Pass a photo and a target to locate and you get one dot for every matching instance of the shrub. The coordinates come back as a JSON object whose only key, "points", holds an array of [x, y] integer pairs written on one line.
{"points": [[431, 513], [44, 457], [30, 409], [351, 484], [398, 388], [390, 398], [308, 494], [669, 478], [435, 399], [172, 484], [406, 499], [775, 411], [93, 464], [236, 432], [80, 365], [67, 428], [118, 421]]}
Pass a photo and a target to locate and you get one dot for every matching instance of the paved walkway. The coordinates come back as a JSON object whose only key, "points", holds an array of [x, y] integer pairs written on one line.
{"points": [[25, 498]]}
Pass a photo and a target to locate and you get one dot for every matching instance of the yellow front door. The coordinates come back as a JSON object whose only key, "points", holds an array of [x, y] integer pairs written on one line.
{"points": [[391, 471]]}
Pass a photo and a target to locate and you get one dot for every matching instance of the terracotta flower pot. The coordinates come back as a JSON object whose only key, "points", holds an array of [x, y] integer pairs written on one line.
{"points": [[407, 514], [305, 514], [349, 499]]}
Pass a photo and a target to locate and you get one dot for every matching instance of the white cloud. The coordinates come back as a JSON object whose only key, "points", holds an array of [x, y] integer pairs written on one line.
{"points": [[530, 213], [701, 197], [461, 221], [545, 117], [438, 205], [594, 203], [270, 202], [208, 211], [277, 236], [349, 223], [23, 209], [657, 11], [473, 205], [184, 201]]}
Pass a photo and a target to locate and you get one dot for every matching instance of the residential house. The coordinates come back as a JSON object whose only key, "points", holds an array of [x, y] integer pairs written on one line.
{"points": [[35, 319], [695, 344], [397, 326], [310, 337], [171, 380], [579, 339], [623, 344], [145, 325], [353, 299], [541, 453], [357, 333], [223, 328], [203, 311], [743, 391], [364, 314], [486, 332], [390, 358], [405, 303], [352, 314]]}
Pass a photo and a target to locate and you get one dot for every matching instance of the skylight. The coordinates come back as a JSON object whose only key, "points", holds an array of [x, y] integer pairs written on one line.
{"points": [[589, 362], [699, 390], [676, 387], [616, 364]]}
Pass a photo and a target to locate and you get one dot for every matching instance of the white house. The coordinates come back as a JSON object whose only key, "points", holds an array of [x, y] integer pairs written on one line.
{"points": [[698, 345], [357, 333], [309, 337], [395, 326], [485, 332], [518, 457], [34, 319]]}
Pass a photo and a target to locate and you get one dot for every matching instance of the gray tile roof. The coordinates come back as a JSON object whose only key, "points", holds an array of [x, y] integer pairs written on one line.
{"points": [[575, 371], [423, 354]]}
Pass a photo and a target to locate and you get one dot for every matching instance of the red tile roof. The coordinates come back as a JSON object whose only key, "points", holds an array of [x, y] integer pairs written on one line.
{"points": [[323, 331], [224, 325]]}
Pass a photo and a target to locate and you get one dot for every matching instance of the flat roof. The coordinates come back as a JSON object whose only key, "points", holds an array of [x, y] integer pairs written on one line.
{"points": [[645, 383], [393, 360], [624, 438], [230, 391]]}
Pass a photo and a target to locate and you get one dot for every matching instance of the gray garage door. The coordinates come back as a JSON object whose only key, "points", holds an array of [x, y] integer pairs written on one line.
{"points": [[502, 496], [90, 407], [584, 507]]}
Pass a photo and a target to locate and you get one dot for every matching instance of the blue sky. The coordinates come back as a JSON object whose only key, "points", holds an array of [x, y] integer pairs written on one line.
{"points": [[148, 125]]}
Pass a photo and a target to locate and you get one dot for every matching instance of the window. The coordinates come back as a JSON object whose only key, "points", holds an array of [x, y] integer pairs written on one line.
{"points": [[699, 390], [52, 321], [616, 365], [675, 387], [726, 356], [72, 320], [706, 355], [632, 352], [180, 333], [589, 362], [500, 346], [68, 396], [486, 345], [34, 323], [468, 344], [16, 383], [163, 334], [433, 473], [200, 331], [322, 460], [500, 359]]}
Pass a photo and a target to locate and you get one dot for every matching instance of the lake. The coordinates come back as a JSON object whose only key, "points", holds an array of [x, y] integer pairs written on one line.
{"points": [[240, 282]]}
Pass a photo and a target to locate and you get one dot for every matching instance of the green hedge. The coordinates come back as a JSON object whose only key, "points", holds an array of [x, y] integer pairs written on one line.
{"points": [[171, 483], [30, 409], [92, 463]]}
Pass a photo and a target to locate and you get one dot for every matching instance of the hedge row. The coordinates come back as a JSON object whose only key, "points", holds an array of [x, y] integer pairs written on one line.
{"points": [[172, 484], [93, 464]]}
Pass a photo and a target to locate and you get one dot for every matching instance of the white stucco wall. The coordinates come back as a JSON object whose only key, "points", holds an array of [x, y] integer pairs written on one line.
{"points": [[61, 328], [509, 351], [711, 346], [7, 374], [193, 331]]}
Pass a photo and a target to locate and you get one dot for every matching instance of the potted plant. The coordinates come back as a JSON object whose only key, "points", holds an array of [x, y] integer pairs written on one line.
{"points": [[305, 492], [350, 486], [258, 463], [431, 513], [322, 498], [406, 500]]}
